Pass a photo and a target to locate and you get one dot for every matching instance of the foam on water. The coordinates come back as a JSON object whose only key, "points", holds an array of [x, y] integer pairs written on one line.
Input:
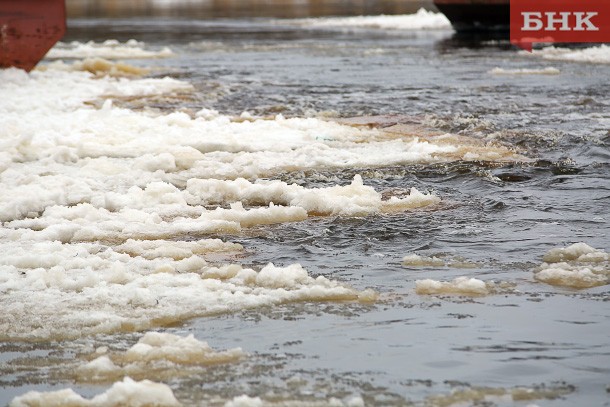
{"points": [[575, 266], [421, 20], [525, 71], [598, 54], [109, 49]]}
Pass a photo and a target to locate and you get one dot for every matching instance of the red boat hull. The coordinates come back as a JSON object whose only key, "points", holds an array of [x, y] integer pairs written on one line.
{"points": [[28, 30]]}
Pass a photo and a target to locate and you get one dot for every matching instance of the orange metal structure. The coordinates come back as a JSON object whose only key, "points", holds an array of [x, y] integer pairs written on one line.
{"points": [[28, 29]]}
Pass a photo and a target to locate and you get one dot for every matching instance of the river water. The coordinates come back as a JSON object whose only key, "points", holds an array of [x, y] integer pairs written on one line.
{"points": [[525, 169]]}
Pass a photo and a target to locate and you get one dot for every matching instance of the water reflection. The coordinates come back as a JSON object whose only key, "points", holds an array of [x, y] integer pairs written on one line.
{"points": [[475, 40]]}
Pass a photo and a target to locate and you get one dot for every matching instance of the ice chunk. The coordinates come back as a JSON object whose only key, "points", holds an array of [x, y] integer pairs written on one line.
{"points": [[158, 355], [124, 393], [564, 274], [460, 285], [354, 199], [576, 266], [578, 252], [180, 350], [414, 260]]}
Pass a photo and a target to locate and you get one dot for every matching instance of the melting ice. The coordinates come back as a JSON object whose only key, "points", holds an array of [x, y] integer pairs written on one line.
{"points": [[106, 211]]}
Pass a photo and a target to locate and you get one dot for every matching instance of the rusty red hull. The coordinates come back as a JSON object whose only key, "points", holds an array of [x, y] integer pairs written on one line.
{"points": [[28, 30]]}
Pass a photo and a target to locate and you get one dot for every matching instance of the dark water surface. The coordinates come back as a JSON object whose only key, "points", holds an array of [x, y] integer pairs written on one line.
{"points": [[501, 218]]}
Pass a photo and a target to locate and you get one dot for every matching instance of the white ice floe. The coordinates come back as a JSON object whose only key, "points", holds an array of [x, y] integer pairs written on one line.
{"points": [[598, 54], [415, 260], [124, 393], [460, 285], [155, 346], [421, 20], [576, 266], [157, 355], [525, 71], [109, 49]]}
